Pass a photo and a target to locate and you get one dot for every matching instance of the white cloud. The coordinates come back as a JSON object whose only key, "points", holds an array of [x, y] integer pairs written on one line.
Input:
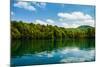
{"points": [[25, 5], [40, 22], [40, 4], [76, 19], [45, 22], [70, 25], [75, 16], [50, 21], [69, 20]]}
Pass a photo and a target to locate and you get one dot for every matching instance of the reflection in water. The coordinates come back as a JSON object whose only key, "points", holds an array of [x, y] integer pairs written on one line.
{"points": [[30, 52]]}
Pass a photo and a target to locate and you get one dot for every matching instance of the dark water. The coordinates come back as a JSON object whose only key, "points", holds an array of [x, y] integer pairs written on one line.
{"points": [[34, 52]]}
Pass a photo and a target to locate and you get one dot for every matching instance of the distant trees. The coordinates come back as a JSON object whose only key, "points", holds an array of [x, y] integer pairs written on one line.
{"points": [[21, 30]]}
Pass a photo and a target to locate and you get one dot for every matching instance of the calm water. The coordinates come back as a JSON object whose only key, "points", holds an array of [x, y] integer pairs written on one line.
{"points": [[33, 52]]}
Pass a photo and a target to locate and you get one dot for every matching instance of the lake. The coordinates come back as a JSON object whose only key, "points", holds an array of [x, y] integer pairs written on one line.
{"points": [[36, 52]]}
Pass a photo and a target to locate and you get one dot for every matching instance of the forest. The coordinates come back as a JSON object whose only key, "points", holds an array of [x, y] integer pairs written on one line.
{"points": [[22, 30]]}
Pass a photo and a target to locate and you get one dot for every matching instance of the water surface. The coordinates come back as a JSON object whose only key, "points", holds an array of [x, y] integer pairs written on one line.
{"points": [[35, 52]]}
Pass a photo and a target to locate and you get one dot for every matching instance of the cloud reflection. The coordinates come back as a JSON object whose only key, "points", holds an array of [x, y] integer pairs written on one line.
{"points": [[70, 55]]}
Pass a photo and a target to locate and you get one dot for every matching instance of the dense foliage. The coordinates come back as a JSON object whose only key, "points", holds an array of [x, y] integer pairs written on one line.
{"points": [[21, 30]]}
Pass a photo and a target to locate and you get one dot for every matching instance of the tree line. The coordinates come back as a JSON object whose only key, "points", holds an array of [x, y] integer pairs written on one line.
{"points": [[22, 30]]}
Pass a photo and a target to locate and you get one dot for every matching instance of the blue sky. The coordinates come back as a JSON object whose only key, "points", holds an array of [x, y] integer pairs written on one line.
{"points": [[63, 15]]}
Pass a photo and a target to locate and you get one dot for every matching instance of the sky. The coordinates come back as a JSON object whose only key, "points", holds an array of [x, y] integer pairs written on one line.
{"points": [[62, 15]]}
